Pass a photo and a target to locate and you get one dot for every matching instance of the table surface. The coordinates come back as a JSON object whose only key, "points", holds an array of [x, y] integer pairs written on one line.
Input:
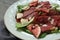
{"points": [[4, 33], [4, 4]]}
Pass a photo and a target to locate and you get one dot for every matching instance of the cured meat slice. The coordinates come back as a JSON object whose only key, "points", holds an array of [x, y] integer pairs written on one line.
{"points": [[41, 19], [18, 20], [56, 20], [44, 10], [53, 12], [31, 15], [28, 12], [45, 4], [33, 4], [46, 28]]}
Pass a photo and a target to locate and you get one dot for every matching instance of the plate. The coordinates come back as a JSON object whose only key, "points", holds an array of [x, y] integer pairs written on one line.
{"points": [[10, 22]]}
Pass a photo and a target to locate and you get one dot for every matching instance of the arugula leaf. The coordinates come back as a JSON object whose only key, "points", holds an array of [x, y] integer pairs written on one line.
{"points": [[55, 31], [20, 8], [24, 29], [19, 25], [42, 35], [58, 8], [54, 6]]}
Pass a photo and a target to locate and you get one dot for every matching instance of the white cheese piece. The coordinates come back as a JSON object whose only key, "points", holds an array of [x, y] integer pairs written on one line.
{"points": [[45, 25], [19, 15], [52, 21], [30, 18], [39, 6], [49, 18], [26, 8], [24, 21]]}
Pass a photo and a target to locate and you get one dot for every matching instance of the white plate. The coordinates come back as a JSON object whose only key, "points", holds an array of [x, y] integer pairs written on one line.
{"points": [[10, 21]]}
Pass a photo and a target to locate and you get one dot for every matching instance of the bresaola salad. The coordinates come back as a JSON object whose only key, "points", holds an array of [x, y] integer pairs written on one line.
{"points": [[38, 18]]}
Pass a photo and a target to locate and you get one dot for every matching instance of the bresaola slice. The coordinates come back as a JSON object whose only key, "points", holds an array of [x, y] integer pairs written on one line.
{"points": [[44, 10], [45, 4], [35, 29], [56, 20], [28, 12], [31, 15], [46, 28], [33, 4]]}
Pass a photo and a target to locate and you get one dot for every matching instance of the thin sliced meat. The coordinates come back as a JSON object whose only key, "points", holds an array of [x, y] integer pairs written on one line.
{"points": [[46, 6], [58, 23], [44, 3], [33, 4], [28, 12], [41, 19], [53, 12], [56, 20], [35, 0], [44, 10], [35, 29], [46, 28], [31, 15], [56, 17], [18, 20]]}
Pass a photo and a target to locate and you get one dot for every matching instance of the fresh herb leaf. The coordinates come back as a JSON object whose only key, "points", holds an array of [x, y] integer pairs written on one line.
{"points": [[42, 35], [54, 6], [19, 25], [55, 31], [24, 29], [58, 8], [20, 8]]}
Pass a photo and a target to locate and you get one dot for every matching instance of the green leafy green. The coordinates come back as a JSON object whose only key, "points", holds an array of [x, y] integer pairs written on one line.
{"points": [[54, 6], [40, 13], [27, 31], [42, 35], [20, 7], [19, 25], [55, 31], [24, 29], [59, 31], [58, 8]]}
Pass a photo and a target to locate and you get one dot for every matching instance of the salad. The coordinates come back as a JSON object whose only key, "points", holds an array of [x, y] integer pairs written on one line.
{"points": [[38, 18]]}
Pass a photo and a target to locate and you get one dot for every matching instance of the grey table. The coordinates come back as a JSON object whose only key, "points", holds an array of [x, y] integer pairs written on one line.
{"points": [[4, 33]]}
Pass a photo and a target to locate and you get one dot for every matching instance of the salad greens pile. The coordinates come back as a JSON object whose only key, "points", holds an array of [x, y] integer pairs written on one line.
{"points": [[24, 23], [22, 7], [20, 25], [55, 6]]}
